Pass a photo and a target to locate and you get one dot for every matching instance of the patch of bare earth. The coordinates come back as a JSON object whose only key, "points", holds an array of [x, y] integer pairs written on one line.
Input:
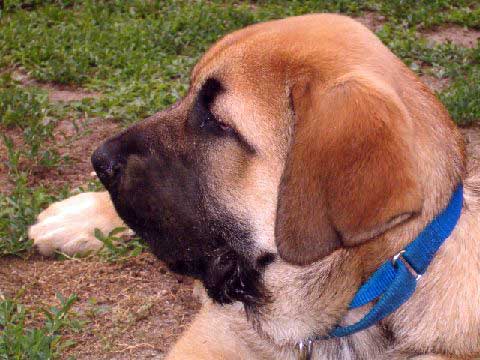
{"points": [[56, 92], [456, 34], [77, 140], [435, 84], [371, 20], [134, 309]]}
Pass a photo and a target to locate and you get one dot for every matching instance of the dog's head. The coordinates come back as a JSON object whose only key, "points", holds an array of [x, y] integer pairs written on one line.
{"points": [[297, 137]]}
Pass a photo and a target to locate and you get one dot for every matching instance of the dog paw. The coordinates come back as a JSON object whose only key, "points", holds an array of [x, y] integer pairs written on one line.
{"points": [[68, 226]]}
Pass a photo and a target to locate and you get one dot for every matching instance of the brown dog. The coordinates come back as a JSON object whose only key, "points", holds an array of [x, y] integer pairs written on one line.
{"points": [[304, 156]]}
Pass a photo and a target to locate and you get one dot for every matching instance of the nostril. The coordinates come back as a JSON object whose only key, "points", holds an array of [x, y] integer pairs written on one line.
{"points": [[113, 170], [106, 162]]}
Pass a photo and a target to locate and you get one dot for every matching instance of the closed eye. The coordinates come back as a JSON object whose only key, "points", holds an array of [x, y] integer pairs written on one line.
{"points": [[207, 121]]}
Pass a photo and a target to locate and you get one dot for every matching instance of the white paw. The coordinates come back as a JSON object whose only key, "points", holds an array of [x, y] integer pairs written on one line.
{"points": [[68, 226]]}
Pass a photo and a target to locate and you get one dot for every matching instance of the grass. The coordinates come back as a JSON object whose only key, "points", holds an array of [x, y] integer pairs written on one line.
{"points": [[18, 210], [118, 247], [461, 98], [29, 110], [21, 340]]}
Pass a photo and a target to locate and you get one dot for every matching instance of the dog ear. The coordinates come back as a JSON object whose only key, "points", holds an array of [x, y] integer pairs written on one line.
{"points": [[350, 175]]}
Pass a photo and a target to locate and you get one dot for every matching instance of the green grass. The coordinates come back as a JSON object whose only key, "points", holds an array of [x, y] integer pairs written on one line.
{"points": [[19, 340], [18, 210], [23, 107], [27, 109], [138, 54], [429, 13], [461, 98], [118, 248]]}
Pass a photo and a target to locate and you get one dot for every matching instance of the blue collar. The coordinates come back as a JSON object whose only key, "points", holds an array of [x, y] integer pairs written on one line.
{"points": [[394, 282]]}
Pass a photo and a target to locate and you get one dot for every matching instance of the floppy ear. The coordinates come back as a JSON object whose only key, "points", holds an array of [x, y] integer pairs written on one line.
{"points": [[350, 174]]}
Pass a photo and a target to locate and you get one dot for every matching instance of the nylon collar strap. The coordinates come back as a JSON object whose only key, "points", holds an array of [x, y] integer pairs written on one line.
{"points": [[394, 282]]}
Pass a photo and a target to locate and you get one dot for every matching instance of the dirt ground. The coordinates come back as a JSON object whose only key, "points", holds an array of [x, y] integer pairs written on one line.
{"points": [[136, 308], [76, 139], [456, 34]]}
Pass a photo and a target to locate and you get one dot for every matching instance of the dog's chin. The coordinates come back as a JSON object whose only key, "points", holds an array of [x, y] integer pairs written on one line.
{"points": [[178, 260], [226, 275]]}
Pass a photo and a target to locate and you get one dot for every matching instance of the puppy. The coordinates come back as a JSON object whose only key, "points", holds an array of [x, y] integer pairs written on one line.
{"points": [[303, 157]]}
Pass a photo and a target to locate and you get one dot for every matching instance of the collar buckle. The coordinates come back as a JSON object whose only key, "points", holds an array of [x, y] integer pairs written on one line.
{"points": [[304, 349], [399, 256]]}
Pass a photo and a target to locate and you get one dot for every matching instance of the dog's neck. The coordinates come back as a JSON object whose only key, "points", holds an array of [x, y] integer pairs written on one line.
{"points": [[317, 294]]}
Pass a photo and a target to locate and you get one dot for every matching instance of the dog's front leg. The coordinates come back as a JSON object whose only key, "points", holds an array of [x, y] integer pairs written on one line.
{"points": [[68, 226], [213, 335]]}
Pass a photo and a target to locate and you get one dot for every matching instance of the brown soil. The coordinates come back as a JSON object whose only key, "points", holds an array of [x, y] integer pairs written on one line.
{"points": [[456, 34], [434, 83], [73, 138], [56, 92], [371, 20], [134, 309], [77, 139]]}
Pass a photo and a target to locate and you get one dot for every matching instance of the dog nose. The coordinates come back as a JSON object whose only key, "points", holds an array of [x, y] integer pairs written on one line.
{"points": [[107, 161]]}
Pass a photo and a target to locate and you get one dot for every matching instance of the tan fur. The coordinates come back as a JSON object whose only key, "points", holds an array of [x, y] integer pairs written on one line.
{"points": [[426, 156], [367, 151]]}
